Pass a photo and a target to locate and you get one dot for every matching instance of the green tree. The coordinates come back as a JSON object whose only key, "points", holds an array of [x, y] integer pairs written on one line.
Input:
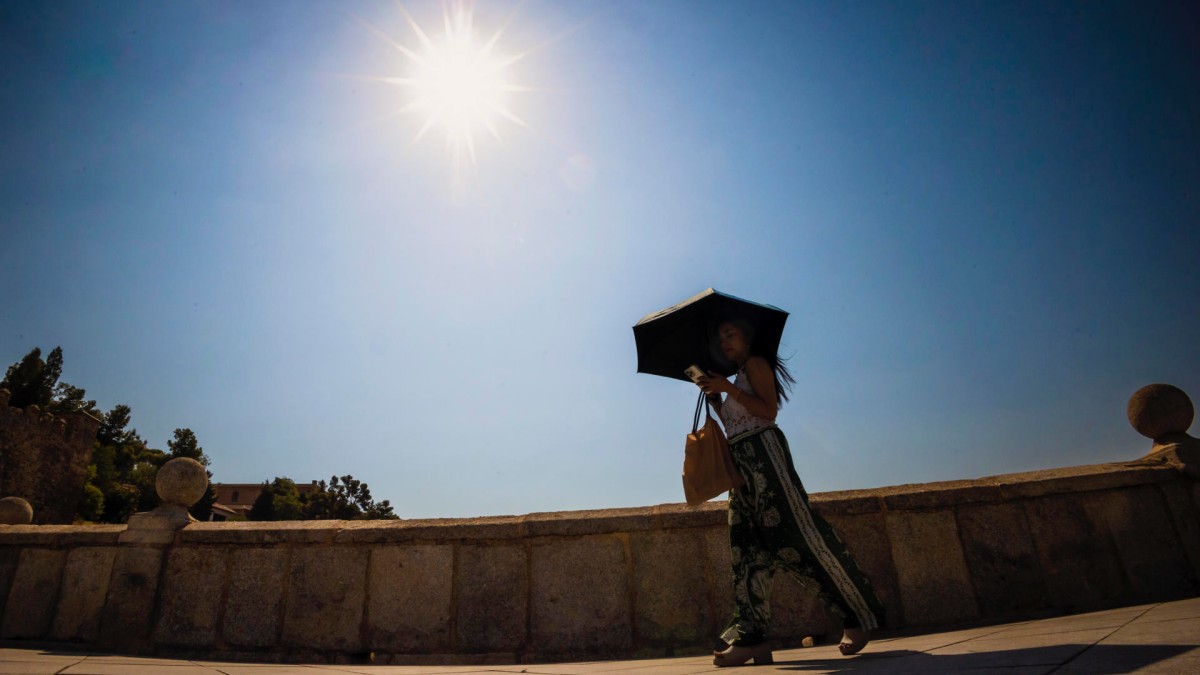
{"points": [[26, 379], [185, 445], [68, 398], [279, 500], [202, 510], [91, 505], [123, 468], [264, 504], [112, 427], [32, 381], [143, 476], [347, 499], [339, 499], [120, 502]]}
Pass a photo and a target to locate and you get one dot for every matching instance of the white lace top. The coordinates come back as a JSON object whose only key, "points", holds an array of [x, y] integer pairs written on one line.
{"points": [[734, 416]]}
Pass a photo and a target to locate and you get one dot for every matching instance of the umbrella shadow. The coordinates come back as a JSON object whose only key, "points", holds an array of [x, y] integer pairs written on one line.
{"points": [[1101, 659]]}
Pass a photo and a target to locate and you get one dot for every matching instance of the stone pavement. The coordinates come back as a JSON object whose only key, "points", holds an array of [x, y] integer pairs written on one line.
{"points": [[1158, 638]]}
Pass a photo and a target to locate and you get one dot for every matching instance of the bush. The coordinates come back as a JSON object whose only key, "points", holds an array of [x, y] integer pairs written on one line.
{"points": [[91, 505]]}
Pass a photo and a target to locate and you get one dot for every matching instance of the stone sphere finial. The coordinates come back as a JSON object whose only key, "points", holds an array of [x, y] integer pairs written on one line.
{"points": [[15, 511], [1157, 410], [181, 481]]}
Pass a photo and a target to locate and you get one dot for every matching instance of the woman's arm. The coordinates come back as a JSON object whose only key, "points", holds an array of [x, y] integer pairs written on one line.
{"points": [[765, 403]]}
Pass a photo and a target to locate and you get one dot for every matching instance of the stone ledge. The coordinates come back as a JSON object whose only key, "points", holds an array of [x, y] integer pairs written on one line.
{"points": [[680, 516], [1080, 479], [59, 535], [432, 529], [848, 502], [597, 521], [992, 489], [939, 495], [927, 496], [263, 532]]}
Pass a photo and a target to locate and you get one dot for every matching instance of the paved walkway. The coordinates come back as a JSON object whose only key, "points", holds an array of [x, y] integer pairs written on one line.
{"points": [[1160, 638]]}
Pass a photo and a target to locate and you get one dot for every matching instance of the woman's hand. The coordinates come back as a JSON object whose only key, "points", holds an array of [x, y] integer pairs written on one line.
{"points": [[714, 384]]}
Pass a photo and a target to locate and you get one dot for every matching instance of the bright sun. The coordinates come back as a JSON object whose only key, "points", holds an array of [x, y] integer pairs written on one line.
{"points": [[460, 84]]}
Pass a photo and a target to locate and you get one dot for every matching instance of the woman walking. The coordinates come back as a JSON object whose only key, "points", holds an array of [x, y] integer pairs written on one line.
{"points": [[771, 525]]}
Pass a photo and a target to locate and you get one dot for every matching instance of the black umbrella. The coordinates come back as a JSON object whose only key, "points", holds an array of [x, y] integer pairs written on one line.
{"points": [[670, 340]]}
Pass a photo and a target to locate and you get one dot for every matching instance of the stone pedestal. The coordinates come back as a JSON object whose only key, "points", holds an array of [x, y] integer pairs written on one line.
{"points": [[157, 526], [15, 511], [1163, 413], [181, 482]]}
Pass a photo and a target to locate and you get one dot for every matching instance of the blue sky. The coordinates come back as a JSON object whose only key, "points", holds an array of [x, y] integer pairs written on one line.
{"points": [[983, 218]]}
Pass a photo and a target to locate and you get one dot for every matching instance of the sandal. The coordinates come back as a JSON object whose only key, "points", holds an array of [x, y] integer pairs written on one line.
{"points": [[738, 656], [853, 641]]}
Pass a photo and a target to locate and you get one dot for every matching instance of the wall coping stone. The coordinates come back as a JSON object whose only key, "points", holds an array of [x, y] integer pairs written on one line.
{"points": [[606, 521], [393, 531], [262, 532], [59, 535], [937, 495], [1084, 479]]}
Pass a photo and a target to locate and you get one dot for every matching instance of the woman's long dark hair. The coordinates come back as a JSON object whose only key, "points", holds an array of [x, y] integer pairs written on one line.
{"points": [[783, 376]]}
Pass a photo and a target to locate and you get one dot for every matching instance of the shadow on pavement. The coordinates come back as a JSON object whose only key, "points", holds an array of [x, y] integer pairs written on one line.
{"points": [[1101, 659]]}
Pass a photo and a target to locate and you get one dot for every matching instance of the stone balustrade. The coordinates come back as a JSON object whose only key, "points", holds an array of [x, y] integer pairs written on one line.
{"points": [[646, 581], [643, 581]]}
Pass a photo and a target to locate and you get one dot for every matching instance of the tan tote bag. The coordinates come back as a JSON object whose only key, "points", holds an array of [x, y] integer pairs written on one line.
{"points": [[708, 468]]}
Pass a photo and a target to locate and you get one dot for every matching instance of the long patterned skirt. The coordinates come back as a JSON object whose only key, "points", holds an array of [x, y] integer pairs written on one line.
{"points": [[771, 526]]}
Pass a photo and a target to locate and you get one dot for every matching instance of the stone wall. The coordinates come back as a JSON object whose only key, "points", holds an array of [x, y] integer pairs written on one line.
{"points": [[44, 459], [627, 582]]}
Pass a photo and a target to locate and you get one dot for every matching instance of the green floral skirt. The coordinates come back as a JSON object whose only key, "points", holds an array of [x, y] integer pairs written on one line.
{"points": [[772, 526]]}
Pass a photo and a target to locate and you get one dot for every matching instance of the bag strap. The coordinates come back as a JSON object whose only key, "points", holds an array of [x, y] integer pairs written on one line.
{"points": [[700, 405]]}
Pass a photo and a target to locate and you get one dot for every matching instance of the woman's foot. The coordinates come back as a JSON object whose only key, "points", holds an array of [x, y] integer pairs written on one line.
{"points": [[853, 641], [738, 656]]}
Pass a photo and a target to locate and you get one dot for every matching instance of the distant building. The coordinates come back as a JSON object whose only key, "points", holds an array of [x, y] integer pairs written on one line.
{"points": [[236, 499]]}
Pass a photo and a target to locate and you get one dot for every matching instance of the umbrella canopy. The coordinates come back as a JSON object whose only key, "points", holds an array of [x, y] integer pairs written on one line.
{"points": [[670, 340]]}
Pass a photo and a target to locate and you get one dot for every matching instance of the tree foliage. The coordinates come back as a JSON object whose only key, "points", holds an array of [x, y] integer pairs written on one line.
{"points": [[339, 499], [32, 381], [123, 470], [202, 509], [264, 504], [26, 379], [91, 504], [113, 426], [278, 500], [347, 499], [185, 445]]}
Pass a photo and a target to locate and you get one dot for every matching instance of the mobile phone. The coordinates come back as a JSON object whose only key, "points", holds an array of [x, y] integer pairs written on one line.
{"points": [[694, 372]]}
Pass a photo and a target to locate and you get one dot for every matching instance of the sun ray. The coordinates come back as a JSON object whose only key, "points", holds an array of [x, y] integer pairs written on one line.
{"points": [[425, 41], [383, 36], [505, 113], [428, 125], [491, 127], [459, 83]]}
